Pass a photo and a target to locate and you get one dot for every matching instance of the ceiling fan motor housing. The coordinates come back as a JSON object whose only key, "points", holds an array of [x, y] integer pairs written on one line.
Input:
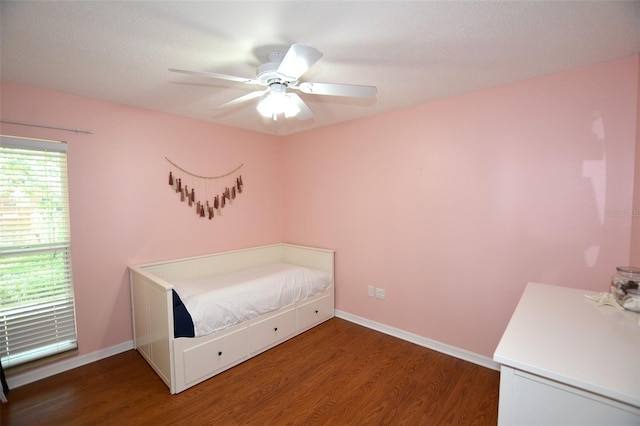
{"points": [[268, 72]]}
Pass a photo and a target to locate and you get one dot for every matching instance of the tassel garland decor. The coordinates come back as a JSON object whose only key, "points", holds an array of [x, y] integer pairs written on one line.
{"points": [[213, 192]]}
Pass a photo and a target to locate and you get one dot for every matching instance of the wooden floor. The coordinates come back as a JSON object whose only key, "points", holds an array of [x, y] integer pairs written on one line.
{"points": [[338, 373]]}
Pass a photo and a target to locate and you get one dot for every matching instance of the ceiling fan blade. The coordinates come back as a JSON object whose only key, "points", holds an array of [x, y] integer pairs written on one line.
{"points": [[335, 89], [216, 75], [305, 112], [298, 60], [241, 99]]}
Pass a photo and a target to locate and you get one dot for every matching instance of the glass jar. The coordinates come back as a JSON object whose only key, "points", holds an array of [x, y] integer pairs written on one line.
{"points": [[624, 286]]}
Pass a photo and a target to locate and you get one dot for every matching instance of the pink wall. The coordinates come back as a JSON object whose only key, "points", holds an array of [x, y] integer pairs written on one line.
{"points": [[122, 209], [450, 206], [453, 206]]}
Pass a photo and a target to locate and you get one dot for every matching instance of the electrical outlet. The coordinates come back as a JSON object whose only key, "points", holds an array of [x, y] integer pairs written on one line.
{"points": [[380, 293], [370, 290]]}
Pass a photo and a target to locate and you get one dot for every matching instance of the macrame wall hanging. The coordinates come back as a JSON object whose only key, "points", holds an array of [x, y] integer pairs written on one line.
{"points": [[207, 195]]}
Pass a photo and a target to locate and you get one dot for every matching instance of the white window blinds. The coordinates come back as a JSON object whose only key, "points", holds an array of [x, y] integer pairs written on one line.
{"points": [[37, 314]]}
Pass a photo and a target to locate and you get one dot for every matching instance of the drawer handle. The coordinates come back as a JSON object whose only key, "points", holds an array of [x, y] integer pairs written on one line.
{"points": [[275, 328], [220, 353], [316, 311]]}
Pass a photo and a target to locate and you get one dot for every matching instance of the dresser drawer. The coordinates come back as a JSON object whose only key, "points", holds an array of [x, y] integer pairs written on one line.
{"points": [[267, 333], [315, 312], [204, 360]]}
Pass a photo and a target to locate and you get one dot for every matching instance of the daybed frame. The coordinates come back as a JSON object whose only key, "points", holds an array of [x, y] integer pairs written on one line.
{"points": [[184, 362]]}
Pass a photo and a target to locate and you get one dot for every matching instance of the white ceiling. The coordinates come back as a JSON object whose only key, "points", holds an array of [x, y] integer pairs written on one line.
{"points": [[413, 51]]}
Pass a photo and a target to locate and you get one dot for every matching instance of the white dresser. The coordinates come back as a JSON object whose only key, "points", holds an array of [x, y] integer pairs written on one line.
{"points": [[565, 360]]}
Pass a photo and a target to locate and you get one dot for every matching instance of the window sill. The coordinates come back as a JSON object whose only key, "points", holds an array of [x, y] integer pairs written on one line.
{"points": [[40, 362]]}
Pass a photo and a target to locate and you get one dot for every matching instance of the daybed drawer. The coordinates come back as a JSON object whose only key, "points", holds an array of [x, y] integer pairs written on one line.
{"points": [[203, 360], [315, 312], [272, 330]]}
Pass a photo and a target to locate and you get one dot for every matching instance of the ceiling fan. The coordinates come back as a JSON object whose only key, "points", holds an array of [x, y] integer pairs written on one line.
{"points": [[283, 72]]}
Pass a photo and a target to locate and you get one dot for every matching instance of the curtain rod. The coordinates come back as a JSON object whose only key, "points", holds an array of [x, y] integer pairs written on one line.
{"points": [[66, 129]]}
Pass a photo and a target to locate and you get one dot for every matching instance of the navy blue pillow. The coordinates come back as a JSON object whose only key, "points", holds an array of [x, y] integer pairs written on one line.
{"points": [[182, 322]]}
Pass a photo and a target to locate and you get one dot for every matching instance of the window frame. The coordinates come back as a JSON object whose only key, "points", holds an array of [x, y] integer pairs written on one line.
{"points": [[41, 322]]}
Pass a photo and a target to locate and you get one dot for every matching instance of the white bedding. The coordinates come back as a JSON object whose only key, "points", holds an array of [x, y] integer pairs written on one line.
{"points": [[222, 301]]}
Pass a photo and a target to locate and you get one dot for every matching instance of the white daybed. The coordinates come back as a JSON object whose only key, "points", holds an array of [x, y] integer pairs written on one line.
{"points": [[182, 362]]}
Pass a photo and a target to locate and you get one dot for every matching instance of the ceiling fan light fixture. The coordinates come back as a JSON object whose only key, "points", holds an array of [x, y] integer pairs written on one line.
{"points": [[277, 102], [291, 109]]}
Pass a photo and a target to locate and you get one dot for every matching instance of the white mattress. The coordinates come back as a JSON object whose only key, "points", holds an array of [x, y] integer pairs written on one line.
{"points": [[222, 301]]}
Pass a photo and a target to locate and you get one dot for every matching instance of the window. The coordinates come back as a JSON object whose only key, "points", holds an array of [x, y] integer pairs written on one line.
{"points": [[37, 314]]}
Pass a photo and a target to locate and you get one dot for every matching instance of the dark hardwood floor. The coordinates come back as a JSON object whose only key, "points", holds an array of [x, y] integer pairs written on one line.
{"points": [[338, 373]]}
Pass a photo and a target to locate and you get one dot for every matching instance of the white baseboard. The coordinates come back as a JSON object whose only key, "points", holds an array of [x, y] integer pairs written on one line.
{"points": [[21, 379], [40, 373], [421, 341]]}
